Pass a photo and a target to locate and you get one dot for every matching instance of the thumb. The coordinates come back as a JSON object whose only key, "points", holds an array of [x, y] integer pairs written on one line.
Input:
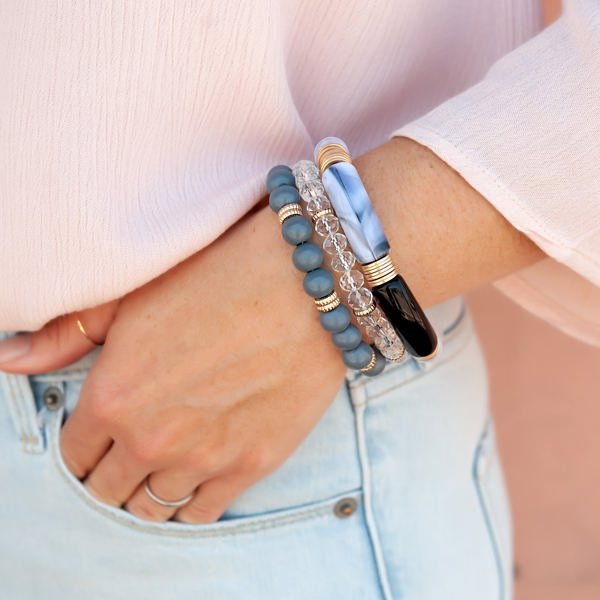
{"points": [[58, 343]]}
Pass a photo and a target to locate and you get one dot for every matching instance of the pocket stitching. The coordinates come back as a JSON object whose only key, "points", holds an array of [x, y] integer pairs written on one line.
{"points": [[251, 524]]}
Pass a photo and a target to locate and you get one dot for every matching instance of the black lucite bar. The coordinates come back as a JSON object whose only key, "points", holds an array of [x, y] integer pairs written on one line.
{"points": [[406, 317]]}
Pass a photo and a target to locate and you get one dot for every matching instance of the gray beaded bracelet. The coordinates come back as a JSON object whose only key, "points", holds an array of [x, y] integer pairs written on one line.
{"points": [[284, 199]]}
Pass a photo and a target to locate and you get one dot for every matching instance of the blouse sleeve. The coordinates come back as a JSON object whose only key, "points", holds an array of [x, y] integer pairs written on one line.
{"points": [[527, 137]]}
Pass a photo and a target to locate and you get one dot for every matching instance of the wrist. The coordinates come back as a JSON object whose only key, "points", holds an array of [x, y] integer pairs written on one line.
{"points": [[446, 237]]}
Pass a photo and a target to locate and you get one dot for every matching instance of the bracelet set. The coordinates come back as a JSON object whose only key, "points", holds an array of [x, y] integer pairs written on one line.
{"points": [[329, 193]]}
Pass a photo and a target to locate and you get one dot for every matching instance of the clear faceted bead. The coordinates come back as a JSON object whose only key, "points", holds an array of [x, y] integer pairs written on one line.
{"points": [[335, 243], [386, 328], [365, 322], [360, 299], [372, 332], [315, 205], [326, 225], [377, 315], [343, 261], [394, 351], [312, 189], [351, 280], [305, 170]]}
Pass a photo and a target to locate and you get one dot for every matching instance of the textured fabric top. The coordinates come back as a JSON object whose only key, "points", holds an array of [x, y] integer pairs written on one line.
{"points": [[132, 134], [527, 138]]}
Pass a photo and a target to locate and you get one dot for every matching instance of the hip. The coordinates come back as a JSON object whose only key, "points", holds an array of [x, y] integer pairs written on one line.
{"points": [[396, 493]]}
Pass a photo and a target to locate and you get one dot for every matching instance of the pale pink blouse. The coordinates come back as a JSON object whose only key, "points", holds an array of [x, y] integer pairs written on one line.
{"points": [[134, 134]]}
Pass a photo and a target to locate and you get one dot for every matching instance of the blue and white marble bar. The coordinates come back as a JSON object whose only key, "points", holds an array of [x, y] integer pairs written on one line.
{"points": [[353, 208]]}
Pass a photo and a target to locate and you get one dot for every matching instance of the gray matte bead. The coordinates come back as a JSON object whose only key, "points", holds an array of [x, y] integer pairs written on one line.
{"points": [[296, 230], [282, 195], [335, 320], [318, 283], [348, 339], [307, 257], [379, 365], [279, 175], [359, 357]]}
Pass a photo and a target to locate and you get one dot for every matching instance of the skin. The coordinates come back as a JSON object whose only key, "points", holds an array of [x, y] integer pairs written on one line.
{"points": [[242, 370]]}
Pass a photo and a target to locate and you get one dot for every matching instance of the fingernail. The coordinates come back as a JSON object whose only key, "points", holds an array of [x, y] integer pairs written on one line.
{"points": [[15, 347]]}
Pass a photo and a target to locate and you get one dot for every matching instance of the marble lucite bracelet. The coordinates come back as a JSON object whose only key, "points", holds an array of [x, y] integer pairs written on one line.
{"points": [[375, 324], [369, 243], [284, 199]]}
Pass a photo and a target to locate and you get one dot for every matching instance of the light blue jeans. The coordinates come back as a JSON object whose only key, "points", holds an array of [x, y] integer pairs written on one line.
{"points": [[396, 494]]}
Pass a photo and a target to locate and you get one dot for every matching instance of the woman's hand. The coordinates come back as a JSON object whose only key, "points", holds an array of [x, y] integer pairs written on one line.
{"points": [[213, 373], [210, 377]]}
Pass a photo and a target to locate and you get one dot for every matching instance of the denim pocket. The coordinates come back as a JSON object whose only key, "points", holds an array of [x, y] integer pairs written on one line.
{"points": [[59, 542], [305, 504]]}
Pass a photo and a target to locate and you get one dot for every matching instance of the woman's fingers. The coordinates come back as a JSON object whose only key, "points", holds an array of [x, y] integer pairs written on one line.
{"points": [[83, 441], [116, 476], [169, 485], [59, 343], [212, 498]]}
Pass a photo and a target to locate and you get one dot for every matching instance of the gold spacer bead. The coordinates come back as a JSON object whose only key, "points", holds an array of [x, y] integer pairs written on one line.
{"points": [[289, 210], [322, 213], [372, 362], [379, 271], [365, 311], [331, 154], [328, 303]]}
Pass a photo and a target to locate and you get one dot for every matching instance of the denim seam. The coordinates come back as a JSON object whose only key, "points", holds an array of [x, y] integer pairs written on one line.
{"points": [[368, 398], [418, 374], [359, 412], [485, 508], [458, 327], [255, 524], [356, 378], [21, 404]]}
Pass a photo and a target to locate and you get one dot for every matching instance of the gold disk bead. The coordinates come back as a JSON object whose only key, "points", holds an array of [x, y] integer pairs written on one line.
{"points": [[379, 271], [289, 210], [372, 362], [322, 213], [331, 154], [328, 303], [363, 312]]}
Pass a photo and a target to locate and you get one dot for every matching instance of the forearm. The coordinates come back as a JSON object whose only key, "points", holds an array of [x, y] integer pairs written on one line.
{"points": [[446, 238]]}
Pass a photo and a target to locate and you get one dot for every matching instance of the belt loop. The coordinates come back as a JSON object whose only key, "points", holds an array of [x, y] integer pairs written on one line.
{"points": [[17, 391]]}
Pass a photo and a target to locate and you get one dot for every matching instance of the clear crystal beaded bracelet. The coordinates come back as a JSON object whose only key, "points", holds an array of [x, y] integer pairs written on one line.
{"points": [[335, 243]]}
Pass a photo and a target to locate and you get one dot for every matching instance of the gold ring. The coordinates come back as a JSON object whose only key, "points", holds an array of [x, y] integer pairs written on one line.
{"points": [[82, 329]]}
